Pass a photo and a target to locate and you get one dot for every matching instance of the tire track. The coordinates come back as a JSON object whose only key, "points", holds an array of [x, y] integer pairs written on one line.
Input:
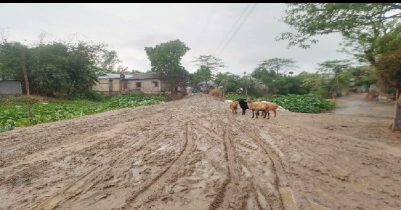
{"points": [[281, 183], [83, 185], [280, 178], [240, 187], [149, 191]]}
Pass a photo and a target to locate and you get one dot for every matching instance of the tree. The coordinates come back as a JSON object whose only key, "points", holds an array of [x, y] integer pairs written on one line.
{"points": [[210, 62], [361, 25], [373, 30], [53, 69], [137, 72], [121, 69], [263, 74], [363, 75], [203, 74], [166, 58], [334, 69], [316, 83], [278, 64], [389, 73], [288, 85], [110, 60], [229, 81]]}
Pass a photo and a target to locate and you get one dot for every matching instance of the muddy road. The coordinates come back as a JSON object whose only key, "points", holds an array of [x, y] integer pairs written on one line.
{"points": [[194, 154]]}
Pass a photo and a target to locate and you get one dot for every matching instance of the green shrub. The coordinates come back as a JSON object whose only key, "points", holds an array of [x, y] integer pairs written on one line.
{"points": [[308, 103], [17, 116], [94, 96]]}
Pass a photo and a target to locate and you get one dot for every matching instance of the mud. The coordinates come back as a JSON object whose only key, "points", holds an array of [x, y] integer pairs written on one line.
{"points": [[195, 154]]}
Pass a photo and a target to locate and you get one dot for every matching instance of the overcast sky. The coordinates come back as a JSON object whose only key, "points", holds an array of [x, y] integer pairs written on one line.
{"points": [[128, 28]]}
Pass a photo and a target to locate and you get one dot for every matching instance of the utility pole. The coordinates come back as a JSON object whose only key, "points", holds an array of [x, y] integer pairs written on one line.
{"points": [[26, 86], [246, 90]]}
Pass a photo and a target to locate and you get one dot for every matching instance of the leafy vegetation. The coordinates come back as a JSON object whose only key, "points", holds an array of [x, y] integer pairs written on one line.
{"points": [[372, 30], [308, 103], [15, 114], [165, 59], [54, 69]]}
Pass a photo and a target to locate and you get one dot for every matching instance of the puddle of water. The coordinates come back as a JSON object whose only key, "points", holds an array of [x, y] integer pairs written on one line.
{"points": [[288, 198], [316, 206]]}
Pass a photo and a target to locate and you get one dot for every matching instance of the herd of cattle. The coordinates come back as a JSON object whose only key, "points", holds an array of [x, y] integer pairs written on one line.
{"points": [[260, 106]]}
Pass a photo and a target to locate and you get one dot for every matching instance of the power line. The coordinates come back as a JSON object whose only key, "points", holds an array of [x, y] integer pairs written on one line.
{"points": [[232, 28], [235, 33], [213, 11], [210, 16]]}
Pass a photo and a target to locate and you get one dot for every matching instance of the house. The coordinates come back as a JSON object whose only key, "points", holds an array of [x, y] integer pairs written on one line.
{"points": [[10, 87], [115, 84], [210, 85]]}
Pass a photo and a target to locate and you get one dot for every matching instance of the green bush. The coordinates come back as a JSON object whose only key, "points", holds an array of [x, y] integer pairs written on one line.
{"points": [[17, 116], [94, 96], [235, 97], [308, 103]]}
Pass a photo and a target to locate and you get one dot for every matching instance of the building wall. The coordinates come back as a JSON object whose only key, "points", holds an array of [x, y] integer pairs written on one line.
{"points": [[147, 85], [117, 86], [10, 87], [106, 87], [165, 86]]}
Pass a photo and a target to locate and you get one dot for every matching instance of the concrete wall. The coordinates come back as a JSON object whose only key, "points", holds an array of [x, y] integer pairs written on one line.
{"points": [[116, 86], [147, 86], [105, 86], [10, 87], [165, 86]]}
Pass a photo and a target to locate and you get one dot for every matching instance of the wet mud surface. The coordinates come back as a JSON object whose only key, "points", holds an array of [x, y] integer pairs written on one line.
{"points": [[195, 154]]}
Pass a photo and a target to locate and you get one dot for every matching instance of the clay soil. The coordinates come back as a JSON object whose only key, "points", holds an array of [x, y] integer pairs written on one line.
{"points": [[194, 154]]}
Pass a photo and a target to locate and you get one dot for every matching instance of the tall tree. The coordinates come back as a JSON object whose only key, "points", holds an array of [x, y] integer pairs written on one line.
{"points": [[333, 69], [360, 24], [210, 62], [389, 74], [229, 81], [109, 61], [373, 30], [208, 66], [203, 74], [165, 59], [265, 75], [53, 69], [278, 65]]}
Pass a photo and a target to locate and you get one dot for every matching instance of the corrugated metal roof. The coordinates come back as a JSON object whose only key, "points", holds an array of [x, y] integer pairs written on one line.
{"points": [[109, 76], [145, 76], [132, 76]]}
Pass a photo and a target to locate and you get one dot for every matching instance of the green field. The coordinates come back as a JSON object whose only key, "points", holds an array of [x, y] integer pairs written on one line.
{"points": [[15, 112]]}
